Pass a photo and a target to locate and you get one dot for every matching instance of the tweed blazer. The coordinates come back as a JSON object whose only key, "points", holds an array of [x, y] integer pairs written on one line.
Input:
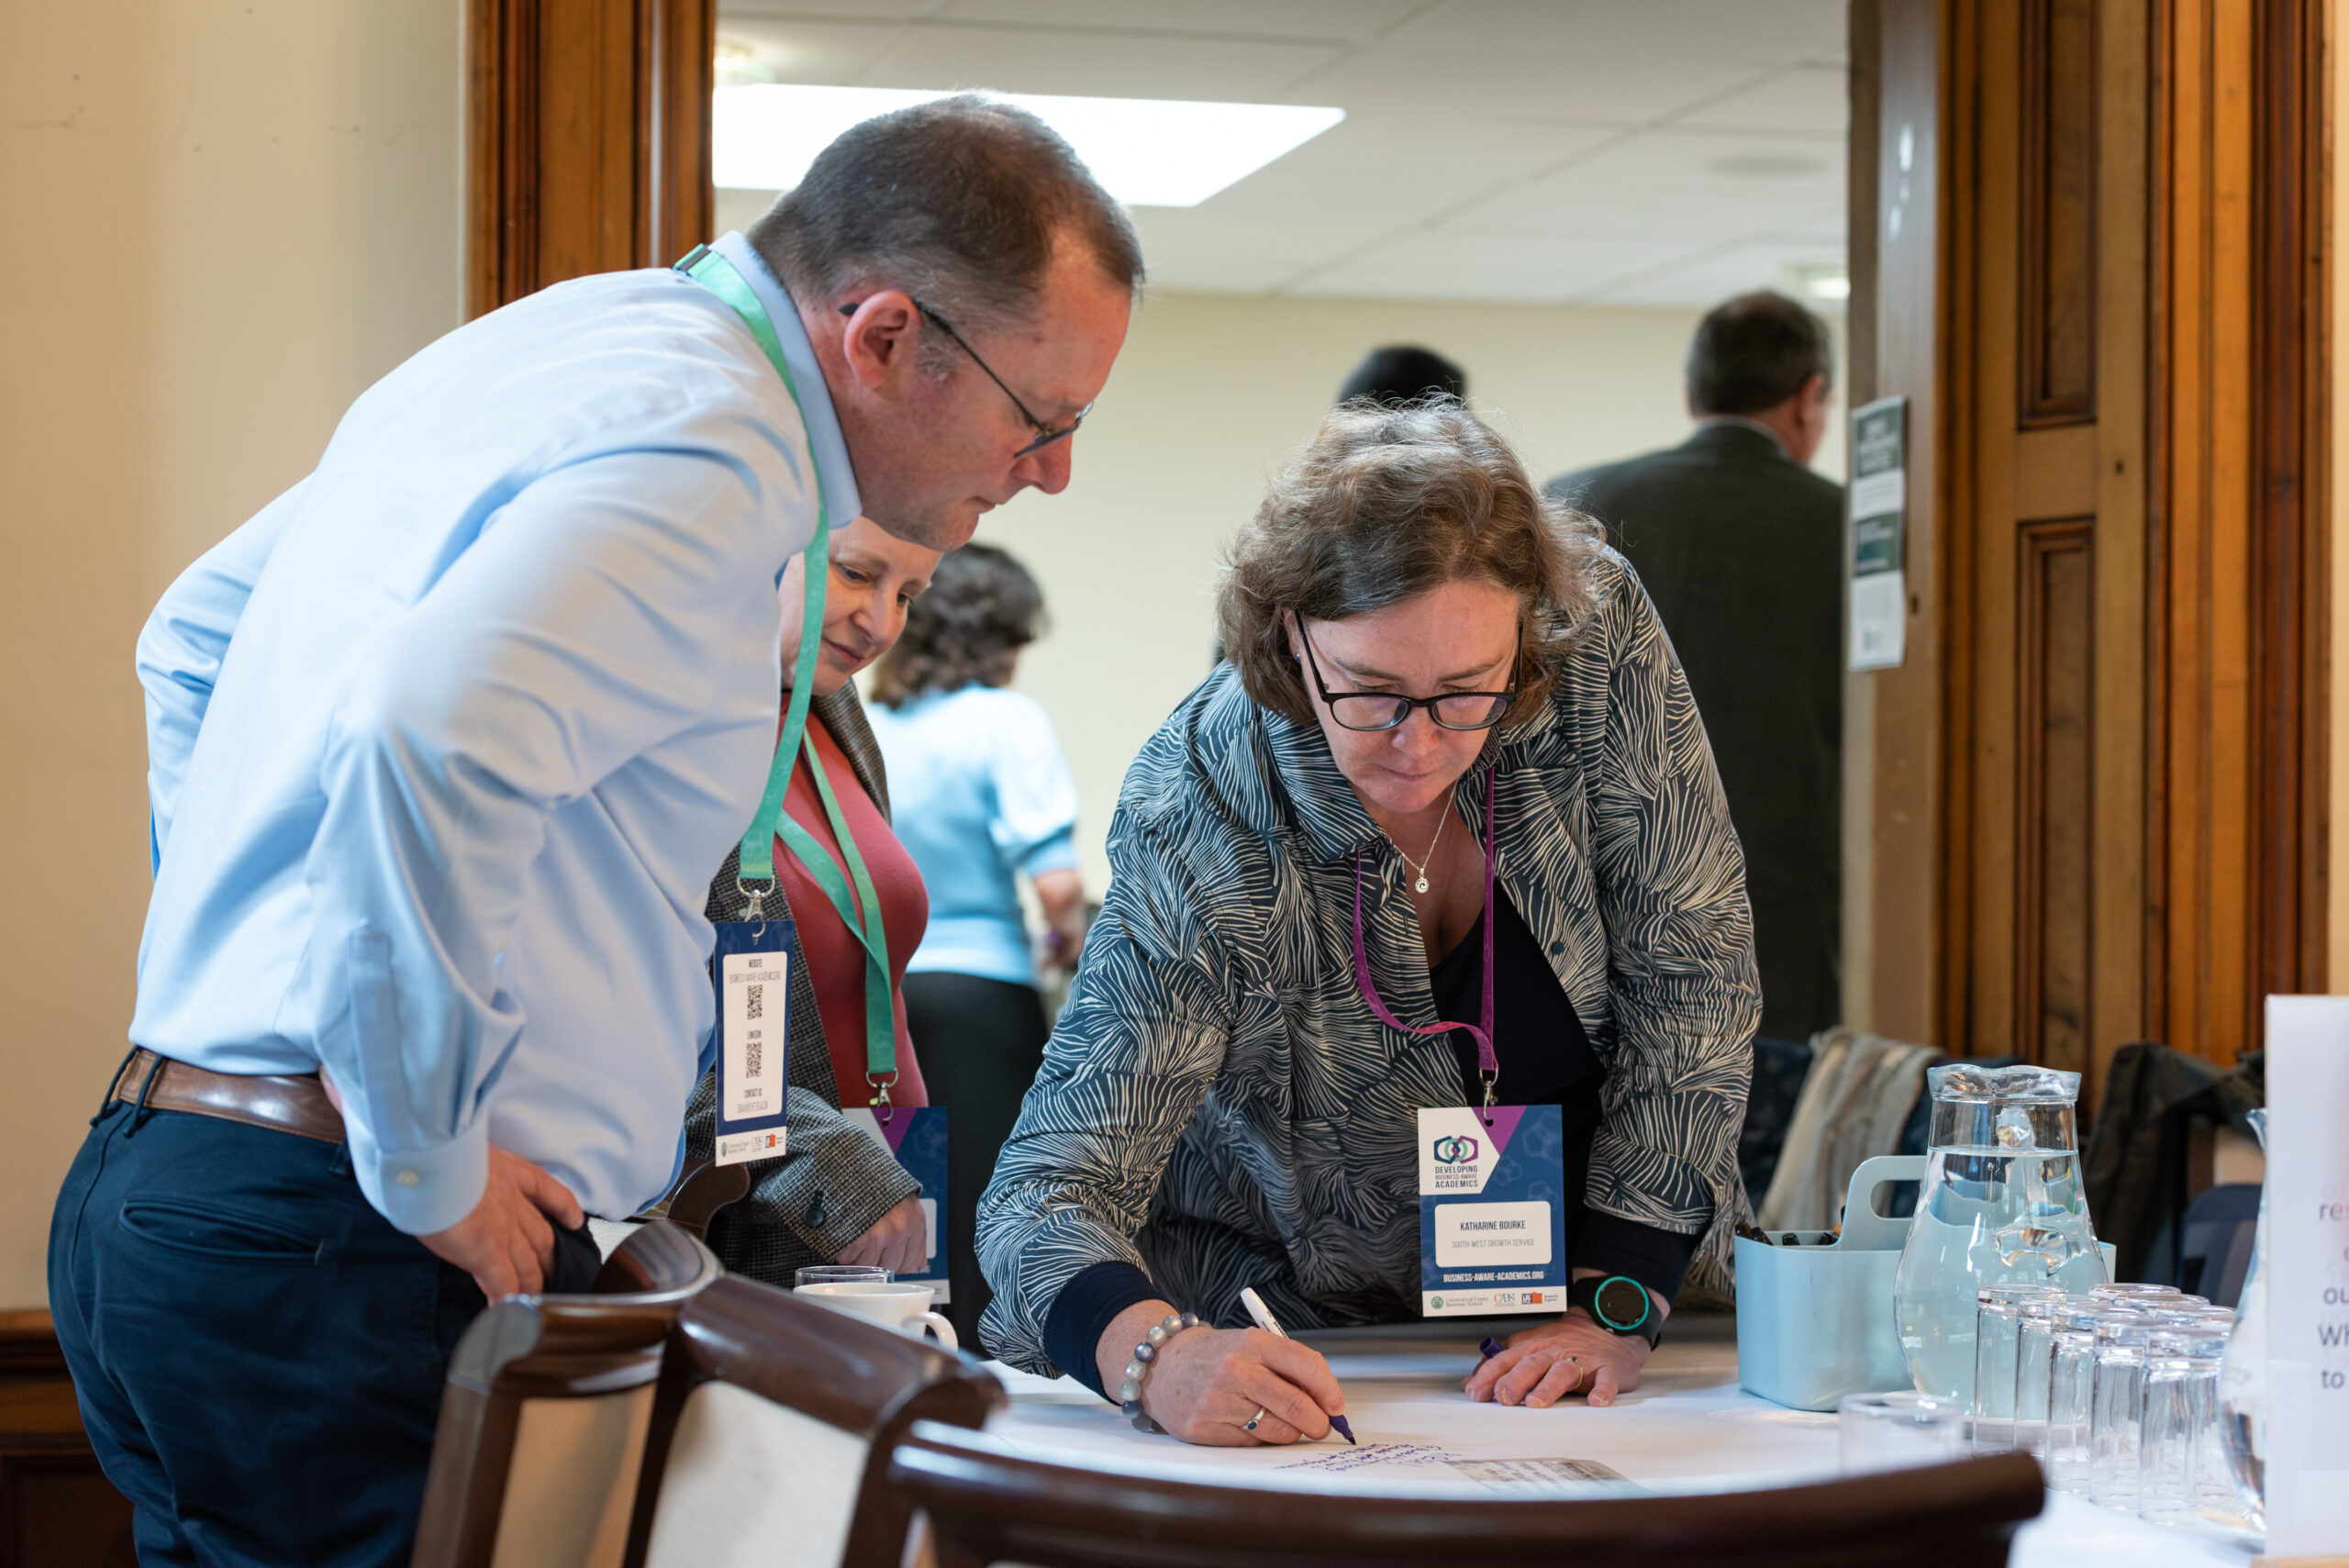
{"points": [[827, 1191], [1219, 1106]]}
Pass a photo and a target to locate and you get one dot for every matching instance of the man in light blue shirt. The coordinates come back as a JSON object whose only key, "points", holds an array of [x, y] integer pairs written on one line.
{"points": [[444, 745]]}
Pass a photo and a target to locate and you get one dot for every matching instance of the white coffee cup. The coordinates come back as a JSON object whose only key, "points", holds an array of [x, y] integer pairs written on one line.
{"points": [[901, 1304]]}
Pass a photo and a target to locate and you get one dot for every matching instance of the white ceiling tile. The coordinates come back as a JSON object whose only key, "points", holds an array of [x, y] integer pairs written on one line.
{"points": [[1494, 150], [1535, 267], [1813, 98], [1383, 166], [824, 54], [1353, 21], [1091, 64], [1700, 283]]}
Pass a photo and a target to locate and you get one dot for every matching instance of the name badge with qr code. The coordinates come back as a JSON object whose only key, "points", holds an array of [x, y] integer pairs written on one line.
{"points": [[753, 970]]}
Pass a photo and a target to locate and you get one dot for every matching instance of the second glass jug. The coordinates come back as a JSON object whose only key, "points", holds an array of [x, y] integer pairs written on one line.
{"points": [[2002, 1204]]}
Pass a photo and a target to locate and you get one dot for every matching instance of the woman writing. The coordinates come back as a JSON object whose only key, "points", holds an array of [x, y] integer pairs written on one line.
{"points": [[836, 1196], [1420, 645]]}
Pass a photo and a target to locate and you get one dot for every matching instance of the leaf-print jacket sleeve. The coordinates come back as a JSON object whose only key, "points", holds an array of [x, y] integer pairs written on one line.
{"points": [[1139, 1042], [1671, 877]]}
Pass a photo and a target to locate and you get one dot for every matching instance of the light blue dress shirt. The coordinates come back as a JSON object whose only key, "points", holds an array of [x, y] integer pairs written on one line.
{"points": [[978, 791], [445, 744]]}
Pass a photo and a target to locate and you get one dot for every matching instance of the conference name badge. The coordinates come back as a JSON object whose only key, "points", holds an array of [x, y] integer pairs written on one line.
{"points": [[1492, 1210], [752, 971], [915, 1137]]}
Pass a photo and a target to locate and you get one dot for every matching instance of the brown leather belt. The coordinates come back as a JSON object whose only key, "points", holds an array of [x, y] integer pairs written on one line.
{"points": [[276, 1101]]}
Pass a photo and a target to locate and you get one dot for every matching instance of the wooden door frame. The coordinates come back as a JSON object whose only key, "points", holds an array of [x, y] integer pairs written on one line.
{"points": [[588, 139], [1907, 938]]}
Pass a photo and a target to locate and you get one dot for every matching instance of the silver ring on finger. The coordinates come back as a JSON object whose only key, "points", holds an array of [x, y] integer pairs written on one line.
{"points": [[1250, 1425]]}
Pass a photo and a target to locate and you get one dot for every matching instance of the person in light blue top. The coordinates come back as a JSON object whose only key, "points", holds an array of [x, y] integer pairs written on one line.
{"points": [[983, 797], [444, 746]]}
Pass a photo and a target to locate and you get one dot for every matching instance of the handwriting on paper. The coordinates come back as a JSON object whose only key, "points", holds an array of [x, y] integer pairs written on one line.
{"points": [[1369, 1454], [1551, 1476]]}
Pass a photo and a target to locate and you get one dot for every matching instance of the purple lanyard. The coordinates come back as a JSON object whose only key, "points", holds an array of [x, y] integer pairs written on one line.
{"points": [[1488, 1066]]}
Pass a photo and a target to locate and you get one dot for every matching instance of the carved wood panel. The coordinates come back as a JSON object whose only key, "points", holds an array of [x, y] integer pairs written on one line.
{"points": [[2055, 901], [2057, 173]]}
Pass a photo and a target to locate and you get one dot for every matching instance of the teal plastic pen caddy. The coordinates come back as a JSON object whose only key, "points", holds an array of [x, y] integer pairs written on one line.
{"points": [[1814, 1319]]}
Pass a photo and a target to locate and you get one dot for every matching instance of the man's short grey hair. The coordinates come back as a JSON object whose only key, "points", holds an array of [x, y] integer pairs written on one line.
{"points": [[959, 202], [1754, 353]]}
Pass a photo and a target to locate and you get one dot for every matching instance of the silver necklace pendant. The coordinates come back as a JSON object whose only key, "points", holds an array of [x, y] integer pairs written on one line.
{"points": [[1420, 885]]}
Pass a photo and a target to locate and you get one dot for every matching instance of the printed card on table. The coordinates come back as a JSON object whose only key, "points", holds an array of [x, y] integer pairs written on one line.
{"points": [[2304, 1252], [1492, 1210], [915, 1138]]}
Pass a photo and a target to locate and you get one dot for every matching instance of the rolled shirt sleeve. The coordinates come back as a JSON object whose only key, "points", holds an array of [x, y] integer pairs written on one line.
{"points": [[571, 635]]}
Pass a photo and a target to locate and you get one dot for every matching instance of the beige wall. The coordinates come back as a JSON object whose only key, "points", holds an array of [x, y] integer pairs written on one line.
{"points": [[1210, 394], [223, 220]]}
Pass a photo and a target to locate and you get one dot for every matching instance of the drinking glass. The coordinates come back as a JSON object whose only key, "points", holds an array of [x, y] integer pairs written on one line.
{"points": [[2180, 1378], [2242, 1376], [2116, 1405], [1898, 1430], [1996, 1322], [2071, 1359], [2034, 1366], [2121, 1291], [841, 1274]]}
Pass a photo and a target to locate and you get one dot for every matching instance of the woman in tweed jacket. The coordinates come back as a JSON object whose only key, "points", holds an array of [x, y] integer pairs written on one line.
{"points": [[1221, 1106], [836, 1196]]}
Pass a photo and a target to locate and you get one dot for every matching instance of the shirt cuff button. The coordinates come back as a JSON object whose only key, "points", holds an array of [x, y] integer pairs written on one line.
{"points": [[408, 1179]]}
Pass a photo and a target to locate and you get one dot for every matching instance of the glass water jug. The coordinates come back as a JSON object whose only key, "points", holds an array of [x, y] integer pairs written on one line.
{"points": [[2002, 1204]]}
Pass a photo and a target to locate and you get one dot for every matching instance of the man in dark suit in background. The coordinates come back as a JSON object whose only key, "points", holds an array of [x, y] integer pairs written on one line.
{"points": [[1741, 546]]}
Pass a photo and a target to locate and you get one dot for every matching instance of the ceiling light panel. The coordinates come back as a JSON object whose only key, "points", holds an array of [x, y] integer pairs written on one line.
{"points": [[1145, 151]]}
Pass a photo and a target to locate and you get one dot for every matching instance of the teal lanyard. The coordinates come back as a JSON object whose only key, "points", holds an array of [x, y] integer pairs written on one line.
{"points": [[719, 276]]}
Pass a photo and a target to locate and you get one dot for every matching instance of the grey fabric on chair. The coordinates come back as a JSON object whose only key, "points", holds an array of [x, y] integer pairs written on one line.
{"points": [[1855, 1104]]}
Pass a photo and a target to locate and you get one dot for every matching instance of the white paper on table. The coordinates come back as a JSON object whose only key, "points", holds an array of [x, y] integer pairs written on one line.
{"points": [[2306, 1263]]}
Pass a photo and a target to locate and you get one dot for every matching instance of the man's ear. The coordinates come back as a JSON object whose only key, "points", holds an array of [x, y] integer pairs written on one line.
{"points": [[882, 339]]}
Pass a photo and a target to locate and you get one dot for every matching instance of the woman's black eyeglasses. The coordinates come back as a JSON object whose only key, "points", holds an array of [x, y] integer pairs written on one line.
{"points": [[1045, 434], [1387, 710]]}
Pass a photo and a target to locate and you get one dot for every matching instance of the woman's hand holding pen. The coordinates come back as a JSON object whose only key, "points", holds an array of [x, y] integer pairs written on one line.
{"points": [[1206, 1384]]}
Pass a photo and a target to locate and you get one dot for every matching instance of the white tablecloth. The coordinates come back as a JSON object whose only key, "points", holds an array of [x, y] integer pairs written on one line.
{"points": [[1689, 1424]]}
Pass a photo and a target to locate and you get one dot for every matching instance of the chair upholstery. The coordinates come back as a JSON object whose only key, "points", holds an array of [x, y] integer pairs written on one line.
{"points": [[2214, 1253], [771, 1431], [984, 1505], [544, 1416]]}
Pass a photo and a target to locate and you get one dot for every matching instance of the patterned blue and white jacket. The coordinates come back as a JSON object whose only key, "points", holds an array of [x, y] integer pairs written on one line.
{"points": [[1219, 1106]]}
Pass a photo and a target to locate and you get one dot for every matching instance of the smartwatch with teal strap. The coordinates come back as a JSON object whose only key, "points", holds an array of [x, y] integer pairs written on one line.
{"points": [[1621, 1304]]}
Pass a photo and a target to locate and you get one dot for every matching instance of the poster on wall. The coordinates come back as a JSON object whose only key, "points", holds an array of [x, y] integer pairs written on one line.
{"points": [[1879, 530]]}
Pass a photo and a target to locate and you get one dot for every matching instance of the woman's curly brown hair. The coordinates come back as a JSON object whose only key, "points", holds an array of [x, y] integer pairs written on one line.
{"points": [[1383, 505], [980, 609]]}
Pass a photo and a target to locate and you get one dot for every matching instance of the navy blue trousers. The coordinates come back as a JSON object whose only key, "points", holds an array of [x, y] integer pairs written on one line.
{"points": [[258, 1353]]}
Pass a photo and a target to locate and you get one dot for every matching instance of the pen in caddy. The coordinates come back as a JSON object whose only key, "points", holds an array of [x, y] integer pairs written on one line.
{"points": [[1272, 1325]]}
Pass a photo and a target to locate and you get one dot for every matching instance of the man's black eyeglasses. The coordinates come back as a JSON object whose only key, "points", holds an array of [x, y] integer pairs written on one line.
{"points": [[1387, 710], [1045, 434]]}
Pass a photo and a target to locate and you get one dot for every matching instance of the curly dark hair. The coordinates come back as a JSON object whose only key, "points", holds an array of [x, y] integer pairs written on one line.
{"points": [[980, 609], [1386, 503]]}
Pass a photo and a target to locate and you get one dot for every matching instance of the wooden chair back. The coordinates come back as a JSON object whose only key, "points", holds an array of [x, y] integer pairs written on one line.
{"points": [[773, 1428], [545, 1410], [985, 1504]]}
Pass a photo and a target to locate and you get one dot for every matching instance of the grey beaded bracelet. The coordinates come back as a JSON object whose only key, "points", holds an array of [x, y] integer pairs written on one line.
{"points": [[1138, 1369]]}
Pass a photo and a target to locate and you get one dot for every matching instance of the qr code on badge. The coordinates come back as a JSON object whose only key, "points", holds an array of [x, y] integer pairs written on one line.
{"points": [[754, 1056], [755, 1002]]}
